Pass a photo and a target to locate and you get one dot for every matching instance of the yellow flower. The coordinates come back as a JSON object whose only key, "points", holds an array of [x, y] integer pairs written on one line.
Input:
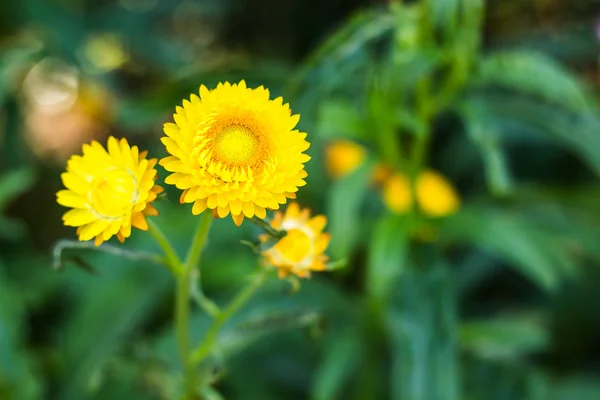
{"points": [[343, 157], [109, 192], [233, 150], [301, 250], [435, 195]]}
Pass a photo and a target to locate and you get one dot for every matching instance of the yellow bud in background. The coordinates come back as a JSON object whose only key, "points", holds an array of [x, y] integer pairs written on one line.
{"points": [[435, 194], [343, 157]]}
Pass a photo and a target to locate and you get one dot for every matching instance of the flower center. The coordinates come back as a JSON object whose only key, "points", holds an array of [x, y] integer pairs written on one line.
{"points": [[236, 145], [295, 246], [113, 193]]}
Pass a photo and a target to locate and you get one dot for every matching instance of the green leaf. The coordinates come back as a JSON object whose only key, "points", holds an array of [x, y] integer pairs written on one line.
{"points": [[257, 326], [387, 255], [11, 229], [340, 360], [482, 131], [422, 325], [13, 184], [343, 44], [13, 61], [101, 323], [339, 119], [17, 377], [444, 14], [344, 202], [575, 131], [540, 254], [533, 74], [504, 338]]}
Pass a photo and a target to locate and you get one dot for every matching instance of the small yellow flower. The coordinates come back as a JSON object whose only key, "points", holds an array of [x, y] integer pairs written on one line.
{"points": [[301, 250], [343, 157], [109, 192], [233, 150], [435, 195]]}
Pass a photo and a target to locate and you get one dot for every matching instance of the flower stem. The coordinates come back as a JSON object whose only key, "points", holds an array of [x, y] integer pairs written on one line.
{"points": [[173, 262], [191, 266], [190, 276], [186, 274], [195, 251], [208, 342]]}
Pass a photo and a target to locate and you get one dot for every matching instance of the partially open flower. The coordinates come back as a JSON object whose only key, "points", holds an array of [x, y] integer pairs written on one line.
{"points": [[233, 150], [301, 250], [109, 192], [435, 195]]}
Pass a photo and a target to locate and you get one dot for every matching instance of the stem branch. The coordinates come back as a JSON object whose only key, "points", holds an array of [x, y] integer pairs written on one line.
{"points": [[207, 344], [268, 228], [173, 262]]}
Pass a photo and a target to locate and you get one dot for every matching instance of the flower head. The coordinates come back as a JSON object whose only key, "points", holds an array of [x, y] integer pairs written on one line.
{"points": [[434, 194], [108, 191], [235, 151], [343, 157], [301, 250]]}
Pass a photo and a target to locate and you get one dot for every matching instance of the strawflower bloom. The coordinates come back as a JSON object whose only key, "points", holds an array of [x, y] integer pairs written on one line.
{"points": [[235, 151], [435, 195], [343, 157], [108, 191], [301, 250]]}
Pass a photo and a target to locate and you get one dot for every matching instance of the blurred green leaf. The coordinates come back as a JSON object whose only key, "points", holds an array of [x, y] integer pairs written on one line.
{"points": [[482, 131], [258, 325], [340, 119], [17, 377], [575, 132], [11, 229], [422, 323], [580, 388], [445, 14], [344, 202], [540, 254], [14, 59], [345, 42], [387, 258], [534, 74], [13, 184], [340, 360], [101, 323], [504, 338]]}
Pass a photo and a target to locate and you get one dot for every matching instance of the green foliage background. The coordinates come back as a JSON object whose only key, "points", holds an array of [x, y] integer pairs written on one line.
{"points": [[500, 96]]}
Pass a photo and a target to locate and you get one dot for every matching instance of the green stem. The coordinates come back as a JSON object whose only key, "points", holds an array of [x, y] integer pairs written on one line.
{"points": [[191, 265], [201, 300], [182, 301], [184, 273], [208, 342], [173, 262], [195, 251], [182, 312]]}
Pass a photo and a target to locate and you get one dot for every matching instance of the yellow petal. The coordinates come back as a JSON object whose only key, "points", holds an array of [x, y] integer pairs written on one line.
{"points": [[238, 219], [78, 217], [71, 199], [138, 221], [199, 206]]}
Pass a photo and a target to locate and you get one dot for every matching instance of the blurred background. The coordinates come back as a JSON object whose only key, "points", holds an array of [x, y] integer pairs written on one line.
{"points": [[456, 154]]}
